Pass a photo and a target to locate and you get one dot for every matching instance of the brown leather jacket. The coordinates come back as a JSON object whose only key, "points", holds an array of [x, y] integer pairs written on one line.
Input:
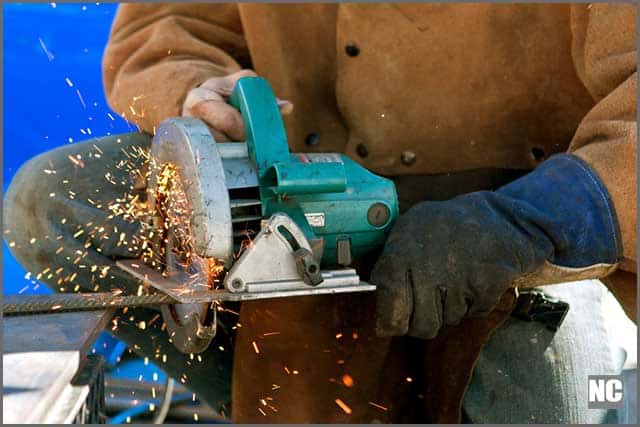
{"points": [[405, 89]]}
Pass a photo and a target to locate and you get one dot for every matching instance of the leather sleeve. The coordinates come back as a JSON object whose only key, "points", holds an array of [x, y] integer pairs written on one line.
{"points": [[604, 53], [157, 52]]}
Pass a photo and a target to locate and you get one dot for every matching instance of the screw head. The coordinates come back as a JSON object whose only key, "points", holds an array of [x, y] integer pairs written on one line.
{"points": [[236, 284], [378, 214]]}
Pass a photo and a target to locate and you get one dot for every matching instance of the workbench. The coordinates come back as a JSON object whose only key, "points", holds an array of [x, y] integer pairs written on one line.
{"points": [[41, 355]]}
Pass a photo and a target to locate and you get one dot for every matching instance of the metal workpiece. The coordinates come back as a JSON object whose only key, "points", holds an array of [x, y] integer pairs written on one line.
{"points": [[14, 305]]}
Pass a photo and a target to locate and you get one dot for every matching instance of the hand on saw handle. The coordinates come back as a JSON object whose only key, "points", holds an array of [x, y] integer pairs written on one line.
{"points": [[209, 102], [446, 260]]}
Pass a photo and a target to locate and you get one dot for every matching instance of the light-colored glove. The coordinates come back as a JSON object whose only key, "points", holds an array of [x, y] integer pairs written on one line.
{"points": [[208, 102]]}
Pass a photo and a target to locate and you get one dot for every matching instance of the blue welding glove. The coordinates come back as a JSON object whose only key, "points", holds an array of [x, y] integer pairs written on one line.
{"points": [[446, 260]]}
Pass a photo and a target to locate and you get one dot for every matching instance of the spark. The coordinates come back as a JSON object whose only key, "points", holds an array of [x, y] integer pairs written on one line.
{"points": [[81, 101], [375, 405], [77, 161], [255, 347], [343, 406], [46, 51], [347, 380], [69, 82]]}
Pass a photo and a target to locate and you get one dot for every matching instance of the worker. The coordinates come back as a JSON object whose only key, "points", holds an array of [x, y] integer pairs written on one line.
{"points": [[510, 133]]}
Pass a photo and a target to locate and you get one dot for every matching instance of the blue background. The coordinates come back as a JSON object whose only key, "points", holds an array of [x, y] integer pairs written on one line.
{"points": [[43, 46], [40, 110]]}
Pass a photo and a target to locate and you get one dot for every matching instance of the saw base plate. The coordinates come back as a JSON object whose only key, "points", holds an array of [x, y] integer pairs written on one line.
{"points": [[335, 282]]}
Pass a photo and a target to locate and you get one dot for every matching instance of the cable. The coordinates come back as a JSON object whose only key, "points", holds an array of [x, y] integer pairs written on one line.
{"points": [[166, 401], [143, 407]]}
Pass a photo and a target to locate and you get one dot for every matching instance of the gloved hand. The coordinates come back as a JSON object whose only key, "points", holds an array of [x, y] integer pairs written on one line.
{"points": [[208, 102], [446, 260]]}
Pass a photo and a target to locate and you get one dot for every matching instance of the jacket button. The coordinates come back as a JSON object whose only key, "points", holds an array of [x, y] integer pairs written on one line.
{"points": [[361, 150], [352, 49], [408, 158], [312, 139]]}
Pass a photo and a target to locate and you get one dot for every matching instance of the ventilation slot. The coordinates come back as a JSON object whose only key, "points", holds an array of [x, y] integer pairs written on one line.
{"points": [[246, 214]]}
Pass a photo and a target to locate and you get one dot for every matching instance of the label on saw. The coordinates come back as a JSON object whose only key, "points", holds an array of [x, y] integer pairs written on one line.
{"points": [[315, 219], [320, 158]]}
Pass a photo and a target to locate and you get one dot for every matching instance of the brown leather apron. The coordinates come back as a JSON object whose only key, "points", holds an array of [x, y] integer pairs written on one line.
{"points": [[317, 359]]}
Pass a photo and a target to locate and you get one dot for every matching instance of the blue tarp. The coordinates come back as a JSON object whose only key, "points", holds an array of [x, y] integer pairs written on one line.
{"points": [[53, 91], [53, 96]]}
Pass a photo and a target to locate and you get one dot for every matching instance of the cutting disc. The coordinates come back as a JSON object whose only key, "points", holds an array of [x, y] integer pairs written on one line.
{"points": [[189, 204]]}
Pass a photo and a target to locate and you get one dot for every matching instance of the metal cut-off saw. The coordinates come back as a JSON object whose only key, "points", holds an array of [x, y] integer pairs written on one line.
{"points": [[264, 222]]}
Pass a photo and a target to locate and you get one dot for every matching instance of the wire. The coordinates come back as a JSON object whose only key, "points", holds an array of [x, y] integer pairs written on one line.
{"points": [[166, 401], [143, 407]]}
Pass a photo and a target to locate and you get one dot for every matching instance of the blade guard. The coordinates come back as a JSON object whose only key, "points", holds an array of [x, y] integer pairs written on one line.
{"points": [[187, 143]]}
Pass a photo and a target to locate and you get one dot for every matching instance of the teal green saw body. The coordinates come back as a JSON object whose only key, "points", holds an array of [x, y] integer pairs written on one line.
{"points": [[335, 201]]}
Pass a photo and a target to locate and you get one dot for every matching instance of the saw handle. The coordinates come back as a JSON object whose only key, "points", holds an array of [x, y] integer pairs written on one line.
{"points": [[266, 137], [268, 148]]}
